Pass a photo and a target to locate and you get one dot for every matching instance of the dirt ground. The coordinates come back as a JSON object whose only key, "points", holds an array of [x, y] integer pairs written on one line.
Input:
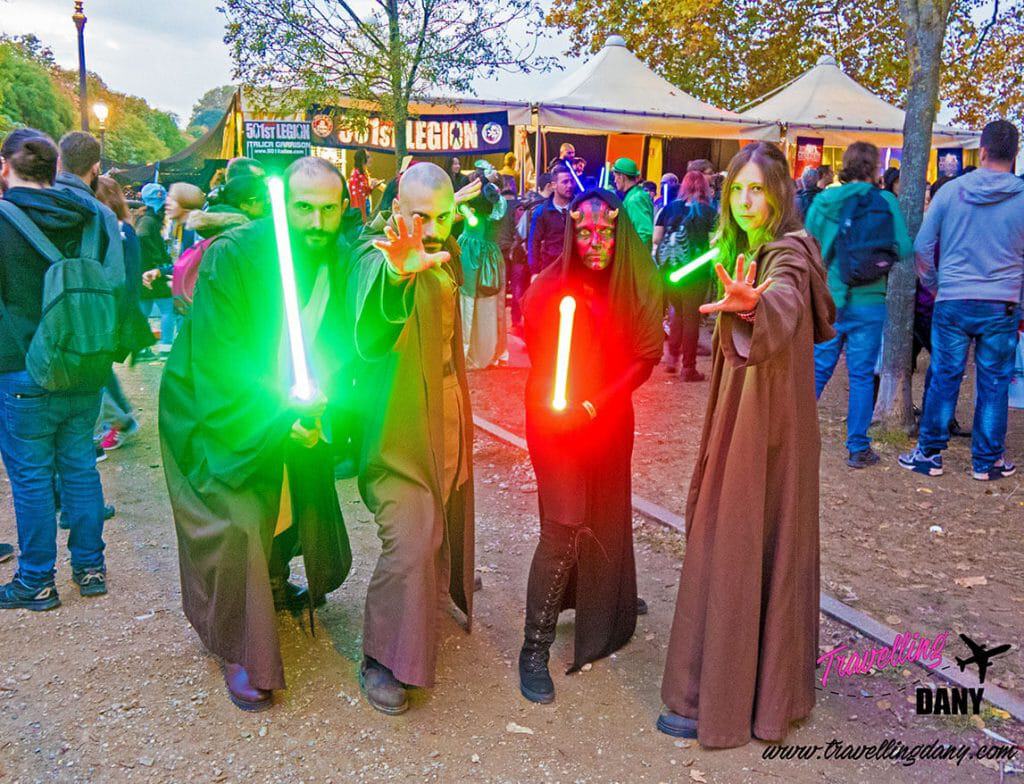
{"points": [[877, 548], [120, 689]]}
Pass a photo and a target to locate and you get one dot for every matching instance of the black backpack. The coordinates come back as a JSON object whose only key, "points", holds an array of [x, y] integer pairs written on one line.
{"points": [[865, 245], [679, 245]]}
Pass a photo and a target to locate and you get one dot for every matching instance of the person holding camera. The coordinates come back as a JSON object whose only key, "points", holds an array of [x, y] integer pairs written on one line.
{"points": [[482, 293]]}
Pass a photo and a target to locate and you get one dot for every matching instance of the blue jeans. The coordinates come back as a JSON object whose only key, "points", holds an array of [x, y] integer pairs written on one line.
{"points": [[168, 318], [992, 327], [859, 329], [43, 433]]}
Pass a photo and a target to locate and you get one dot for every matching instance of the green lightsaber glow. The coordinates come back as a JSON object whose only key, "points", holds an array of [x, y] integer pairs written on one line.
{"points": [[693, 266], [467, 213], [304, 388]]}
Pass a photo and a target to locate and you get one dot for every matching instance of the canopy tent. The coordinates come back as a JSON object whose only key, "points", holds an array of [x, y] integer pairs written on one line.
{"points": [[825, 102], [197, 162], [615, 92]]}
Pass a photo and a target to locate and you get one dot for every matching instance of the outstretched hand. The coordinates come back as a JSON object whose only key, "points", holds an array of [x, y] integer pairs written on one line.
{"points": [[468, 192], [404, 249], [741, 295]]}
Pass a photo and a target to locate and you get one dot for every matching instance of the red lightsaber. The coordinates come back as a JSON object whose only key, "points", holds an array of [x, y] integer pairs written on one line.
{"points": [[567, 314]]}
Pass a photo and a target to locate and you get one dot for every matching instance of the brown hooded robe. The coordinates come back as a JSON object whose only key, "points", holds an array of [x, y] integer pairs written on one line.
{"points": [[425, 527], [743, 647], [225, 421]]}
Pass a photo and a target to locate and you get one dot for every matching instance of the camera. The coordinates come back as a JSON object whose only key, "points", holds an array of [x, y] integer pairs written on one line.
{"points": [[490, 194]]}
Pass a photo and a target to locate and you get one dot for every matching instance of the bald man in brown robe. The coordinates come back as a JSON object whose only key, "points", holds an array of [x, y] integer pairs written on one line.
{"points": [[416, 475]]}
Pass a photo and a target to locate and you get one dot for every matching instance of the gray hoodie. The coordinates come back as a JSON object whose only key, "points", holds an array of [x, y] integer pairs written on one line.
{"points": [[977, 222], [114, 260]]}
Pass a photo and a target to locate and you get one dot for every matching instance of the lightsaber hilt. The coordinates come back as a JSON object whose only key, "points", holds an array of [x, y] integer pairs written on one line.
{"points": [[567, 314]]}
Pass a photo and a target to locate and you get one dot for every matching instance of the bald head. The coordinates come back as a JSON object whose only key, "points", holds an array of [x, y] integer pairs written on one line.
{"points": [[428, 176], [426, 190]]}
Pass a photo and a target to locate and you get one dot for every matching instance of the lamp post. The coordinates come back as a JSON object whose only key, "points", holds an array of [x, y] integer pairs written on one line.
{"points": [[79, 20], [101, 111]]}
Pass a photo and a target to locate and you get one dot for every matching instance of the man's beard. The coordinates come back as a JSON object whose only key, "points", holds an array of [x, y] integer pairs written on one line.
{"points": [[433, 244], [318, 241]]}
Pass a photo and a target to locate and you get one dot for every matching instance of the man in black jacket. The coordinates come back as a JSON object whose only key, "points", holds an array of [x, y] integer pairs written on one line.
{"points": [[41, 431], [547, 226]]}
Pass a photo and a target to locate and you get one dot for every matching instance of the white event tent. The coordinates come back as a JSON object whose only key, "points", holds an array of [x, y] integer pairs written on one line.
{"points": [[615, 92], [824, 102]]}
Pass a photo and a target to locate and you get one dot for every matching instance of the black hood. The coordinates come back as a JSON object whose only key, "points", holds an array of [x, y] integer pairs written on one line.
{"points": [[635, 288], [51, 209]]}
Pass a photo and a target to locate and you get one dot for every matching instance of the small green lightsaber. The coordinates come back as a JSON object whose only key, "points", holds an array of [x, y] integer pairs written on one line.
{"points": [[567, 313], [303, 389], [693, 266], [467, 213]]}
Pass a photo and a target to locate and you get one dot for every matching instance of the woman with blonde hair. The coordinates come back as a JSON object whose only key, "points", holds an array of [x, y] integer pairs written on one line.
{"points": [[744, 640]]}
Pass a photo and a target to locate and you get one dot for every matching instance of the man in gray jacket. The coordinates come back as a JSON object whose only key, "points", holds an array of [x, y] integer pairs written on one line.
{"points": [[977, 224], [78, 168]]}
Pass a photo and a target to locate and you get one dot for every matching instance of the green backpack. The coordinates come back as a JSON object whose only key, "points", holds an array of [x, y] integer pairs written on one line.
{"points": [[75, 343]]}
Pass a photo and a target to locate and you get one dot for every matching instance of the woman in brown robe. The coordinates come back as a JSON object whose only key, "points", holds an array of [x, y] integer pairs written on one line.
{"points": [[742, 651]]}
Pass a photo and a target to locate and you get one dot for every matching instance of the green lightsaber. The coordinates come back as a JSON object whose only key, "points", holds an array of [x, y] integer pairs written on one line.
{"points": [[693, 266], [303, 388]]}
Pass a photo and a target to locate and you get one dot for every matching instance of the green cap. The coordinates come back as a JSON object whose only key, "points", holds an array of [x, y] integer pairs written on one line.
{"points": [[626, 166]]}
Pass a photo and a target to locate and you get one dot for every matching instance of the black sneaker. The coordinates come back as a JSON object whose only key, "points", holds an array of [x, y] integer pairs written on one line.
{"points": [[999, 470], [90, 582], [16, 595], [6, 551], [863, 459]]}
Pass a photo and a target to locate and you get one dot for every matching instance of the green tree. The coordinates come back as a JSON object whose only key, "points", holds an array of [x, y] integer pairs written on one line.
{"points": [[732, 52], [208, 110], [28, 96], [298, 52], [131, 140]]}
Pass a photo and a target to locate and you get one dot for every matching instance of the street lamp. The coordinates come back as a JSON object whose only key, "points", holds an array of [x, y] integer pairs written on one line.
{"points": [[101, 111], [79, 19]]}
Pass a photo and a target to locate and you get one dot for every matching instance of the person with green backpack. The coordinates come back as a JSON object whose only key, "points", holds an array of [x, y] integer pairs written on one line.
{"points": [[58, 339], [862, 235]]}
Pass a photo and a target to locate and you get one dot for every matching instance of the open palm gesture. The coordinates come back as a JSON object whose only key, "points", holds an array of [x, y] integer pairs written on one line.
{"points": [[741, 295], [404, 249]]}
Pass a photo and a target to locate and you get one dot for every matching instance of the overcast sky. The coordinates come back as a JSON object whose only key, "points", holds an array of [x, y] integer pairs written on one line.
{"points": [[167, 51]]}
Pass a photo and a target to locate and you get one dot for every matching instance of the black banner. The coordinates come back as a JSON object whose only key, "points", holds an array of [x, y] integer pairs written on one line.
{"points": [[427, 134]]}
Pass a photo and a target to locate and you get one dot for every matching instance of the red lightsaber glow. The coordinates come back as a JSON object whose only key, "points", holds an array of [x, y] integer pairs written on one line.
{"points": [[567, 313]]}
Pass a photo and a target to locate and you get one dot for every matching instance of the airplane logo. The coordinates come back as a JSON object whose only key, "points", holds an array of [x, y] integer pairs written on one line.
{"points": [[982, 656]]}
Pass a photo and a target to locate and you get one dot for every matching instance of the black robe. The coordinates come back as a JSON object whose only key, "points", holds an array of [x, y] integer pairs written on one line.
{"points": [[224, 434], [584, 477]]}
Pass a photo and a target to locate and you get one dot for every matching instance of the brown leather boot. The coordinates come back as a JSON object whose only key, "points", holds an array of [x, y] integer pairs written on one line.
{"points": [[242, 693]]}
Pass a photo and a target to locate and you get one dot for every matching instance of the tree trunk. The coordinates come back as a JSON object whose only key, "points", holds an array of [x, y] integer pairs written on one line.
{"points": [[924, 25], [399, 99]]}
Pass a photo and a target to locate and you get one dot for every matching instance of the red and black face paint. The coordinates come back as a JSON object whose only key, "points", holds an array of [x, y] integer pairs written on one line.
{"points": [[594, 229]]}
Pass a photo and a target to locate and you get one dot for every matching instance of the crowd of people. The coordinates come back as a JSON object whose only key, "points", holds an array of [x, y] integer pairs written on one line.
{"points": [[270, 393]]}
